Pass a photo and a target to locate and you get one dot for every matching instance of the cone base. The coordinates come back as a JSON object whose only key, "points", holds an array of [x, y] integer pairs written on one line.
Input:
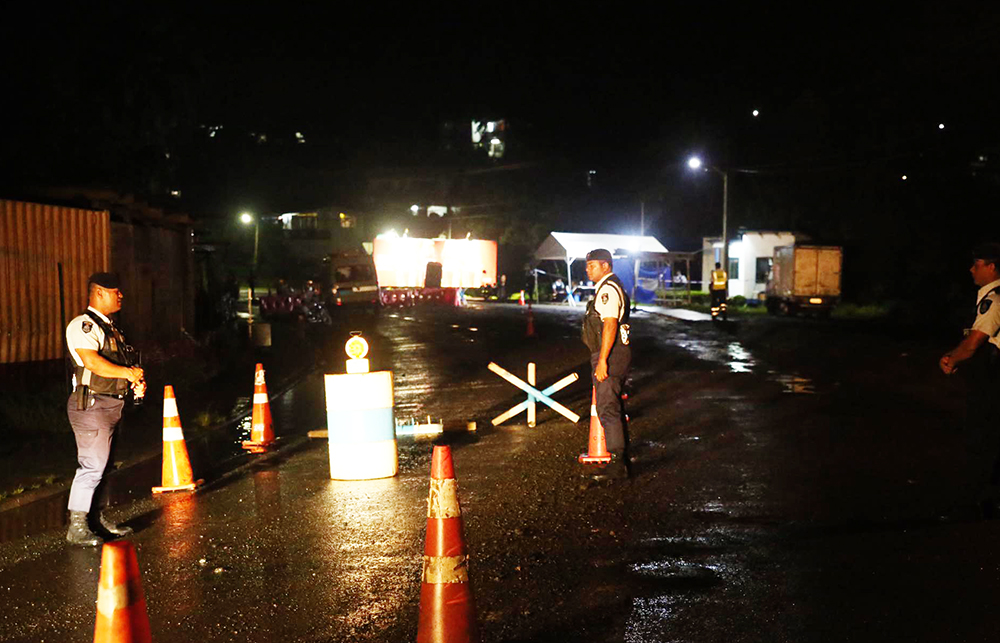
{"points": [[258, 447], [586, 458], [183, 487]]}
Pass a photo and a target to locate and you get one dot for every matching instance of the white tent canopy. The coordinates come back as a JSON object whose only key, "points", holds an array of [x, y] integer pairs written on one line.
{"points": [[570, 246]]}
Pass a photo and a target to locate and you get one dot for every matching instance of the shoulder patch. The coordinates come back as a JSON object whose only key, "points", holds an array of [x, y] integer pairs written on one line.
{"points": [[88, 326], [604, 298], [984, 305]]}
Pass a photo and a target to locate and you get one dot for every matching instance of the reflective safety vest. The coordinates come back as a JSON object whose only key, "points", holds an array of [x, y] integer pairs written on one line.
{"points": [[719, 279]]}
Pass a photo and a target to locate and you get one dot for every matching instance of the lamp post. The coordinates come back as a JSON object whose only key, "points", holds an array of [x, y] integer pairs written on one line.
{"points": [[246, 218], [695, 164]]}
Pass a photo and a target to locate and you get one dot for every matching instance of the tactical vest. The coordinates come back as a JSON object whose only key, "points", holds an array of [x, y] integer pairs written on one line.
{"points": [[116, 351], [593, 325]]}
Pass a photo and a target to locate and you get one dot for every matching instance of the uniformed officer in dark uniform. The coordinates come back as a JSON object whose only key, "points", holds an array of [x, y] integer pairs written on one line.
{"points": [[606, 334], [104, 371], [977, 357]]}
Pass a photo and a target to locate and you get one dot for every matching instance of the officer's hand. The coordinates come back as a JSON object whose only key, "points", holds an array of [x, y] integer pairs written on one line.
{"points": [[946, 366], [134, 374], [139, 388], [601, 372]]}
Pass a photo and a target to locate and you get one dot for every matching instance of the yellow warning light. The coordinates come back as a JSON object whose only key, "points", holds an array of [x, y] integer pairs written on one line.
{"points": [[815, 300], [343, 216], [356, 346]]}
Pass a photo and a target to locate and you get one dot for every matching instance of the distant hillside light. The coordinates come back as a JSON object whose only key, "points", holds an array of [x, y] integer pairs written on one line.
{"points": [[940, 125], [904, 177], [756, 112], [694, 163]]}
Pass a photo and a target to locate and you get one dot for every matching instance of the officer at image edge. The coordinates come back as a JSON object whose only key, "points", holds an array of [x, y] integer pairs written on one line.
{"points": [[104, 371], [606, 333], [977, 357]]}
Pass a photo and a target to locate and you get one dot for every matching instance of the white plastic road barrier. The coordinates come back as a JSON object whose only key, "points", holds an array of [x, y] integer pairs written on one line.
{"points": [[534, 395]]}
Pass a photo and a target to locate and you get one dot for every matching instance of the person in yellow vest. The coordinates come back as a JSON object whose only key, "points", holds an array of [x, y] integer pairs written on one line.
{"points": [[720, 280]]}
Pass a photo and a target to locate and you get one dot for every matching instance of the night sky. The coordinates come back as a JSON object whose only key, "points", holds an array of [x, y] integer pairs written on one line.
{"points": [[850, 99]]}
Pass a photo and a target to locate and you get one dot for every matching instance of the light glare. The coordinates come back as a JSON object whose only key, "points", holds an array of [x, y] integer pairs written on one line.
{"points": [[694, 163], [756, 112], [246, 218]]}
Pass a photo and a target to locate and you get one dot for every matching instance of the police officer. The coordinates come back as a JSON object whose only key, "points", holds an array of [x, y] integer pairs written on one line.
{"points": [[103, 373], [978, 358], [606, 334], [720, 281]]}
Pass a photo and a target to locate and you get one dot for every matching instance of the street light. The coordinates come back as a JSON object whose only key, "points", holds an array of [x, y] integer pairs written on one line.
{"points": [[695, 164], [246, 218]]}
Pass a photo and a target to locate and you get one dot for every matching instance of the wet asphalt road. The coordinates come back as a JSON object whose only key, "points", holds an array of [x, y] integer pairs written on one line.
{"points": [[788, 479]]}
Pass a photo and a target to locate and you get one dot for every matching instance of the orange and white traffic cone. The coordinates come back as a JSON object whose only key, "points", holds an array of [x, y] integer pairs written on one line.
{"points": [[597, 450], [121, 606], [177, 475], [262, 431], [530, 332], [447, 611], [521, 300]]}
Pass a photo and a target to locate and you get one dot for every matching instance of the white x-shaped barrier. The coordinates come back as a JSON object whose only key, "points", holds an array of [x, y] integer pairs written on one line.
{"points": [[534, 395]]}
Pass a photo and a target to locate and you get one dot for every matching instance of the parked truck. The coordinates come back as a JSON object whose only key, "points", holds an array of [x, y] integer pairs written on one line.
{"points": [[804, 279]]}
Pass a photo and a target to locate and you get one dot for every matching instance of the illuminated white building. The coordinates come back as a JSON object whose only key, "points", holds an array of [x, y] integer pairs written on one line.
{"points": [[750, 257]]}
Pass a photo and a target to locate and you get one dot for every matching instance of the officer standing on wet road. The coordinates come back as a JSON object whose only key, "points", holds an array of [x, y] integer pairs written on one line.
{"points": [[104, 371], [606, 334], [977, 357]]}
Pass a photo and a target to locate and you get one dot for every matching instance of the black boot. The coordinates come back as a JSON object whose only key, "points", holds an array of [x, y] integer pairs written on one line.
{"points": [[79, 533], [109, 530]]}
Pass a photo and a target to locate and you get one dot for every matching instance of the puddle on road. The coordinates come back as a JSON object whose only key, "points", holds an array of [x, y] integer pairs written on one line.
{"points": [[733, 355]]}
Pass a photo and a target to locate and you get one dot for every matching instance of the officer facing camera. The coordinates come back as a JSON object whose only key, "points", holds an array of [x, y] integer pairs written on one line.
{"points": [[105, 370]]}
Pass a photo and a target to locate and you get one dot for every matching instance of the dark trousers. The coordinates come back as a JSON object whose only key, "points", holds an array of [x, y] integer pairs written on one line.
{"points": [[94, 429], [718, 298], [983, 437], [610, 409]]}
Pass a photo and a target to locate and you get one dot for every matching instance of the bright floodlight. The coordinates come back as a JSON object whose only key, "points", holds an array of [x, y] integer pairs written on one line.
{"points": [[903, 177], [756, 112], [414, 208], [694, 163], [940, 125], [246, 218]]}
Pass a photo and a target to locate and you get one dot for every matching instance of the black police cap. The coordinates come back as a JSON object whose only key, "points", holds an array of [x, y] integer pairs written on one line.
{"points": [[107, 280], [600, 254], [988, 252]]}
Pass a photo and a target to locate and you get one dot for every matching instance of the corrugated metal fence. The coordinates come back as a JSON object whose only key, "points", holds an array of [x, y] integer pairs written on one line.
{"points": [[34, 240]]}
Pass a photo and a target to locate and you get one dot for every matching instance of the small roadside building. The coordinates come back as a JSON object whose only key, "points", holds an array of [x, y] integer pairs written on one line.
{"points": [[750, 258]]}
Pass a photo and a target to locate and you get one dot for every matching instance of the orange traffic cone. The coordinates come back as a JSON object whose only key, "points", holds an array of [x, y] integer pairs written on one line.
{"points": [[447, 612], [530, 332], [521, 300], [262, 432], [597, 450], [177, 475], [121, 606]]}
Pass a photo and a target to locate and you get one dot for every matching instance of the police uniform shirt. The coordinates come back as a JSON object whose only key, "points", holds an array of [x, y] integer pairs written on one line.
{"points": [[988, 312], [607, 301], [83, 332]]}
